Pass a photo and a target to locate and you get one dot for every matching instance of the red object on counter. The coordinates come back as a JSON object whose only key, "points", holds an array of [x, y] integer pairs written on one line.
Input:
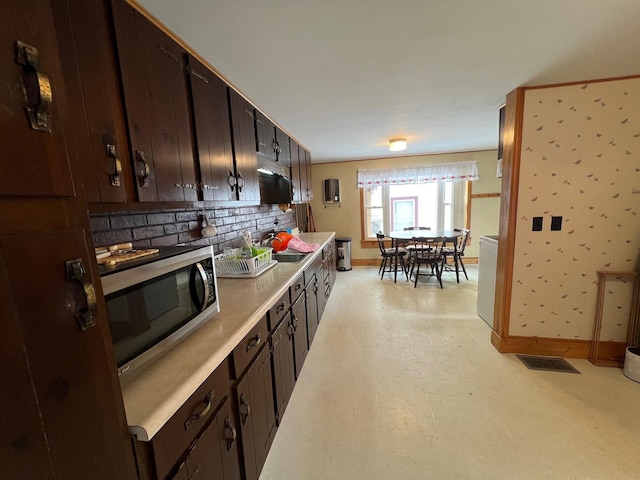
{"points": [[281, 241]]}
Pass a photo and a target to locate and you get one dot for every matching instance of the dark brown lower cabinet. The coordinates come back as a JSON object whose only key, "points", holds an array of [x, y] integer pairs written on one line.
{"points": [[208, 409], [284, 377], [214, 454], [299, 324], [311, 293], [254, 401]]}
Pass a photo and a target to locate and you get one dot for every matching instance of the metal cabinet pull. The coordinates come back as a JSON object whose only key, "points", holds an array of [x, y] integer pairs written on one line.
{"points": [[86, 317], [35, 81], [195, 473], [245, 409], [144, 171], [253, 342], [280, 307], [230, 433], [232, 180], [208, 402], [117, 165], [240, 182]]}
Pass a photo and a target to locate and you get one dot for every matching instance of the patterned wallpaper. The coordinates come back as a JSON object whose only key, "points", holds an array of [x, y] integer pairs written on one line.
{"points": [[580, 160]]}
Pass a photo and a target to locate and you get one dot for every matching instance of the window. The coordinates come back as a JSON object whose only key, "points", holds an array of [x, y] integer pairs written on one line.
{"points": [[440, 206]]}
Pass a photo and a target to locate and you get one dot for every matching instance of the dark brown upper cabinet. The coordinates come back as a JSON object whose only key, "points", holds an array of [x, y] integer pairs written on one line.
{"points": [[307, 191], [95, 101], [271, 142], [295, 172], [157, 104], [265, 136], [244, 181], [283, 154], [35, 125], [213, 133]]}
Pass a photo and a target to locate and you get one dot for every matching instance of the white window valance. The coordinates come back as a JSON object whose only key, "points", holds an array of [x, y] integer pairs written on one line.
{"points": [[439, 172]]}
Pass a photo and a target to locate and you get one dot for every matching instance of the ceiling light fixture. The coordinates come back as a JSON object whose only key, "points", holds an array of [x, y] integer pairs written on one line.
{"points": [[397, 144]]}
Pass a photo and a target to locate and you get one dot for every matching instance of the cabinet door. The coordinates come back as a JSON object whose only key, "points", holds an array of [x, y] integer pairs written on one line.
{"points": [[283, 152], [72, 370], [229, 449], [312, 311], [300, 341], [254, 398], [34, 123], [284, 378], [156, 96], [24, 446], [94, 99], [265, 137], [307, 185], [295, 172], [320, 292], [244, 148], [213, 132]]}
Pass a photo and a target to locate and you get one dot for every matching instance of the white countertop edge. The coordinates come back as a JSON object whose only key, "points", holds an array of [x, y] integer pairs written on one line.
{"points": [[154, 393]]}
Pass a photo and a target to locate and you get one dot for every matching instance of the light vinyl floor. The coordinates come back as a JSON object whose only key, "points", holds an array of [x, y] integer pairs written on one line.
{"points": [[403, 383]]}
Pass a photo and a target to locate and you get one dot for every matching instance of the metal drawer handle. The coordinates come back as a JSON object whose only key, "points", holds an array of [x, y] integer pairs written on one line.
{"points": [[230, 433], [208, 402], [280, 307], [86, 317], [253, 342]]}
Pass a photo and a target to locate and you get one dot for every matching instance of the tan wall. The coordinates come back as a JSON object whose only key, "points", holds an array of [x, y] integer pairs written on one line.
{"points": [[580, 160], [345, 220]]}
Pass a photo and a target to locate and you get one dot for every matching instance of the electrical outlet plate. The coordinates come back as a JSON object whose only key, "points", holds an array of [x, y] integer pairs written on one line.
{"points": [[556, 223]]}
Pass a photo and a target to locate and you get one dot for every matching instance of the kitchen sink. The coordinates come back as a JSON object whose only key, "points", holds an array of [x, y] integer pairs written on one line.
{"points": [[288, 257]]}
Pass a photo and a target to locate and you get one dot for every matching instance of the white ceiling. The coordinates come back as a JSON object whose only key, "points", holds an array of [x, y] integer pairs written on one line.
{"points": [[345, 76]]}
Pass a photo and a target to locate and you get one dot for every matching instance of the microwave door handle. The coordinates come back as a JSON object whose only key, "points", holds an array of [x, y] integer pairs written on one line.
{"points": [[204, 278]]}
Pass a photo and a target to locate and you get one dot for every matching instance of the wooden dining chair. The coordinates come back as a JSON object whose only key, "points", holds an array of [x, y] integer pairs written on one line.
{"points": [[390, 257], [456, 253], [429, 254], [410, 246]]}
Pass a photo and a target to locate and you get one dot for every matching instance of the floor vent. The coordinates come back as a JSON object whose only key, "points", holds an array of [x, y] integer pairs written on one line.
{"points": [[550, 364]]}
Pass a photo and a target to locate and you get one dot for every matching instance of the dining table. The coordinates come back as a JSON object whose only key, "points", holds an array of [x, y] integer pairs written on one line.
{"points": [[400, 236]]}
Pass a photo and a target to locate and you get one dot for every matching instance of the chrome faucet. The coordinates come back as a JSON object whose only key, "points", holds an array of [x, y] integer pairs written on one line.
{"points": [[266, 242]]}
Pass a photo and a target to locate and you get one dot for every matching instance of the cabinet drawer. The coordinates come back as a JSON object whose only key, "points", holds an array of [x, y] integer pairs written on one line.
{"points": [[296, 287], [248, 348], [170, 443], [279, 310]]}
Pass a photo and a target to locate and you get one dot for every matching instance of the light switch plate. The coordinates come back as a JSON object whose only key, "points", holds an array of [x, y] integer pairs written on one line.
{"points": [[537, 224], [556, 223]]}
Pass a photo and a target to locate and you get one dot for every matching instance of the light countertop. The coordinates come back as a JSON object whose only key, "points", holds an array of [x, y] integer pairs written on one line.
{"points": [[153, 393]]}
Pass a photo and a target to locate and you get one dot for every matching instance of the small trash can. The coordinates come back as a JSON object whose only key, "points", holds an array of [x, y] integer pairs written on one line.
{"points": [[343, 257], [632, 363]]}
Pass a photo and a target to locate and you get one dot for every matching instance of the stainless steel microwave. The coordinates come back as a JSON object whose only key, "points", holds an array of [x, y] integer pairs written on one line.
{"points": [[153, 303]]}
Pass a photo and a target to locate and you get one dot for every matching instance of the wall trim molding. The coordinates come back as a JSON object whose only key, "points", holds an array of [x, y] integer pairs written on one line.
{"points": [[557, 347]]}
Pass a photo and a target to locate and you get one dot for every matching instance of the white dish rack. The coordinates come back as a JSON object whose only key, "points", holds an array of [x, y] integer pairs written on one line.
{"points": [[227, 267]]}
